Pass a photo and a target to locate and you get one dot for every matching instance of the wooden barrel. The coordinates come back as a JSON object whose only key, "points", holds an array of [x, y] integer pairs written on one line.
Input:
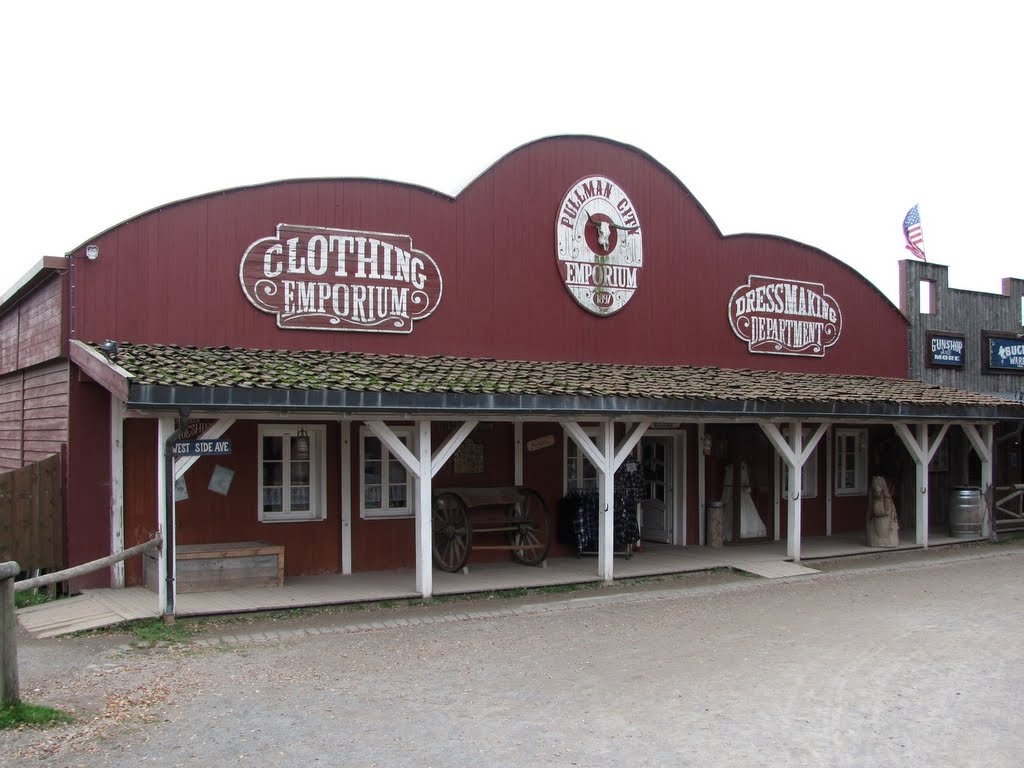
{"points": [[716, 524], [966, 513]]}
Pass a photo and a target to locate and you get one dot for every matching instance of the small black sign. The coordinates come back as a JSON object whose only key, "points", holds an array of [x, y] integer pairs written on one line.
{"points": [[219, 447], [945, 349], [1005, 353]]}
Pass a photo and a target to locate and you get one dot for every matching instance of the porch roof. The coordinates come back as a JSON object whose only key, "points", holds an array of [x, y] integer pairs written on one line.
{"points": [[153, 376]]}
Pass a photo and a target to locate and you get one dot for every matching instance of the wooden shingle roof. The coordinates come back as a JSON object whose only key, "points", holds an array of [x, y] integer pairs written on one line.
{"points": [[461, 381]]}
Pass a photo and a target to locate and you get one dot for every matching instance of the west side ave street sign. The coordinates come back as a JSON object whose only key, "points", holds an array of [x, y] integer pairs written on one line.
{"points": [[201, 448]]}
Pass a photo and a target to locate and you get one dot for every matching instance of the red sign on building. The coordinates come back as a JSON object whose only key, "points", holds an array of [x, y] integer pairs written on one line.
{"points": [[780, 316], [340, 279]]}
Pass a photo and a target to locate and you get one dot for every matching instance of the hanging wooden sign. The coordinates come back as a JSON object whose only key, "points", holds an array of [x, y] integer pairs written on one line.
{"points": [[600, 248], [781, 316], [340, 279]]}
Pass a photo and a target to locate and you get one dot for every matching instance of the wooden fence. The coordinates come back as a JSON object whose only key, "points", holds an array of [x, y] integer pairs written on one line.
{"points": [[32, 515]]}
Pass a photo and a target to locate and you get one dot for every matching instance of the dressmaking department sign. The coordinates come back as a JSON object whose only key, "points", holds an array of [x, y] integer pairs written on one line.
{"points": [[782, 316]]}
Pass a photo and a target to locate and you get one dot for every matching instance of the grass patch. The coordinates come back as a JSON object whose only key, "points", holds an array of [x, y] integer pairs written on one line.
{"points": [[22, 714], [1009, 538], [156, 632], [31, 597]]}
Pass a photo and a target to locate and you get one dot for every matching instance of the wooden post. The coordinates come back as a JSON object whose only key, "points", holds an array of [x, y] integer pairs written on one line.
{"points": [[8, 636]]}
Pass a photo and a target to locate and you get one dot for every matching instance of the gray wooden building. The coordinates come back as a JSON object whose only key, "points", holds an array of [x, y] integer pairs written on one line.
{"points": [[974, 341]]}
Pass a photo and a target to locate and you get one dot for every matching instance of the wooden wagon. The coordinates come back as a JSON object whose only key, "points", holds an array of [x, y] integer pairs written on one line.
{"points": [[465, 519]]}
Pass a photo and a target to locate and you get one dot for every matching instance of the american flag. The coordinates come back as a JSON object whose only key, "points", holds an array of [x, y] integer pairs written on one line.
{"points": [[912, 231]]}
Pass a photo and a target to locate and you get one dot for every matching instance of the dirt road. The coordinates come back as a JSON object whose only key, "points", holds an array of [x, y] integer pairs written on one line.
{"points": [[907, 661]]}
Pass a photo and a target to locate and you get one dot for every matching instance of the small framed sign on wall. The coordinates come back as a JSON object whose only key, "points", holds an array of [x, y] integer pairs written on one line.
{"points": [[945, 350], [1003, 352]]}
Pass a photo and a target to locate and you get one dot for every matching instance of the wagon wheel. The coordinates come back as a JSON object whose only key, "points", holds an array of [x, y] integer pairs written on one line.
{"points": [[453, 534], [528, 520]]}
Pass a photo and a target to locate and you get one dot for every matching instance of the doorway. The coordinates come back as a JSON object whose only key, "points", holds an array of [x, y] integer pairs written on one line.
{"points": [[661, 513]]}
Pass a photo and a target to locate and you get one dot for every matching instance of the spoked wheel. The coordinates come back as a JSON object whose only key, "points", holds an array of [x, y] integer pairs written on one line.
{"points": [[453, 535], [528, 529]]}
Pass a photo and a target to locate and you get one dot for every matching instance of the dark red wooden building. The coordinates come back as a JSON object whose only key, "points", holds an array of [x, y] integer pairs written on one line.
{"points": [[361, 344]]}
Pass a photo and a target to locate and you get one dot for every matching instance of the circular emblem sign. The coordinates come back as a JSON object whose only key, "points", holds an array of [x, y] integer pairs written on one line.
{"points": [[600, 249]]}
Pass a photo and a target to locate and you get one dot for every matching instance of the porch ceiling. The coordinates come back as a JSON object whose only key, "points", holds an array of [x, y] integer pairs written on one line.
{"points": [[226, 379]]}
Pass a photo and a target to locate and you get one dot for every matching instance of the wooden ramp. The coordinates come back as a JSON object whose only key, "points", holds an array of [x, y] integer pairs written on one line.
{"points": [[772, 569], [90, 610]]}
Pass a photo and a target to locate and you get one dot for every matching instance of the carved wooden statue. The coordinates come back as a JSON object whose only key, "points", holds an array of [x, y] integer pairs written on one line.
{"points": [[882, 523]]}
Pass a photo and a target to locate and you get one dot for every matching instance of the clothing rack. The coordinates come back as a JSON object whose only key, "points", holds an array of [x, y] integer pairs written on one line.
{"points": [[581, 507]]}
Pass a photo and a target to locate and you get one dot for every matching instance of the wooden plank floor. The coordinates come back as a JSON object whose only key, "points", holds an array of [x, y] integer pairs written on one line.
{"points": [[103, 607]]}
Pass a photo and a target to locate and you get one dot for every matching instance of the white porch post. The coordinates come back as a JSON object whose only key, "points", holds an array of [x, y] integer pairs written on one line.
{"points": [[982, 444], [795, 453], [518, 448], [116, 488], [422, 466], [606, 458], [606, 502], [702, 486], [165, 428], [424, 511], [345, 425], [923, 451]]}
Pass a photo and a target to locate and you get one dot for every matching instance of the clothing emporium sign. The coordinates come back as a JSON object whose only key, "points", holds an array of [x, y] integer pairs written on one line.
{"points": [[600, 249], [780, 316], [1005, 353], [340, 279], [945, 350]]}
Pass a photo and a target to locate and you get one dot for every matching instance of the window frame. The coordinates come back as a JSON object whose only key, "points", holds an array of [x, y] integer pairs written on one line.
{"points": [[317, 434], [386, 512], [860, 459], [580, 462]]}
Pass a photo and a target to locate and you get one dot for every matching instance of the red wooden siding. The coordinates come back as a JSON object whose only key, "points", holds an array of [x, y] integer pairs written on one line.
{"points": [[140, 483], [32, 332], [9, 342], [11, 407], [33, 414], [46, 410], [207, 517], [176, 271], [88, 487]]}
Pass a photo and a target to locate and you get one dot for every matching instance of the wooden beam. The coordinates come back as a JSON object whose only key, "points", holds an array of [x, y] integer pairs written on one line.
{"points": [[450, 446], [100, 369], [424, 513], [582, 439], [606, 500], [398, 449], [84, 568], [217, 429], [345, 426], [116, 488]]}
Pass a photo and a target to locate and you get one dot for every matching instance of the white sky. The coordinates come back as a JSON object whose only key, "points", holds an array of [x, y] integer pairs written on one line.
{"points": [[822, 122]]}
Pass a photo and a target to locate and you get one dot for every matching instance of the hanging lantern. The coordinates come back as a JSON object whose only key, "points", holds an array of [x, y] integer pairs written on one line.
{"points": [[301, 445]]}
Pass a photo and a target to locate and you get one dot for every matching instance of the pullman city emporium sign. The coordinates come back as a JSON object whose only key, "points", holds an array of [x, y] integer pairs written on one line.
{"points": [[340, 279], [600, 249], [781, 316]]}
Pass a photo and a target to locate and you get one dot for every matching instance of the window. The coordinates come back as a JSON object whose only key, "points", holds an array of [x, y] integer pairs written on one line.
{"points": [[580, 474], [808, 475], [386, 488], [291, 474], [926, 291], [851, 462]]}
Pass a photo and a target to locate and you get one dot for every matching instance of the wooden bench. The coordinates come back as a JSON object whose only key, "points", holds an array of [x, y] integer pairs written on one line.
{"points": [[209, 567]]}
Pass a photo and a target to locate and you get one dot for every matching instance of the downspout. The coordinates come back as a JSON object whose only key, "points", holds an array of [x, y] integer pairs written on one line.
{"points": [[169, 515]]}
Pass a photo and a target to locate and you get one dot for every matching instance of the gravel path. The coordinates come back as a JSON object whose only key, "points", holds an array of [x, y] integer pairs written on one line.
{"points": [[906, 660]]}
